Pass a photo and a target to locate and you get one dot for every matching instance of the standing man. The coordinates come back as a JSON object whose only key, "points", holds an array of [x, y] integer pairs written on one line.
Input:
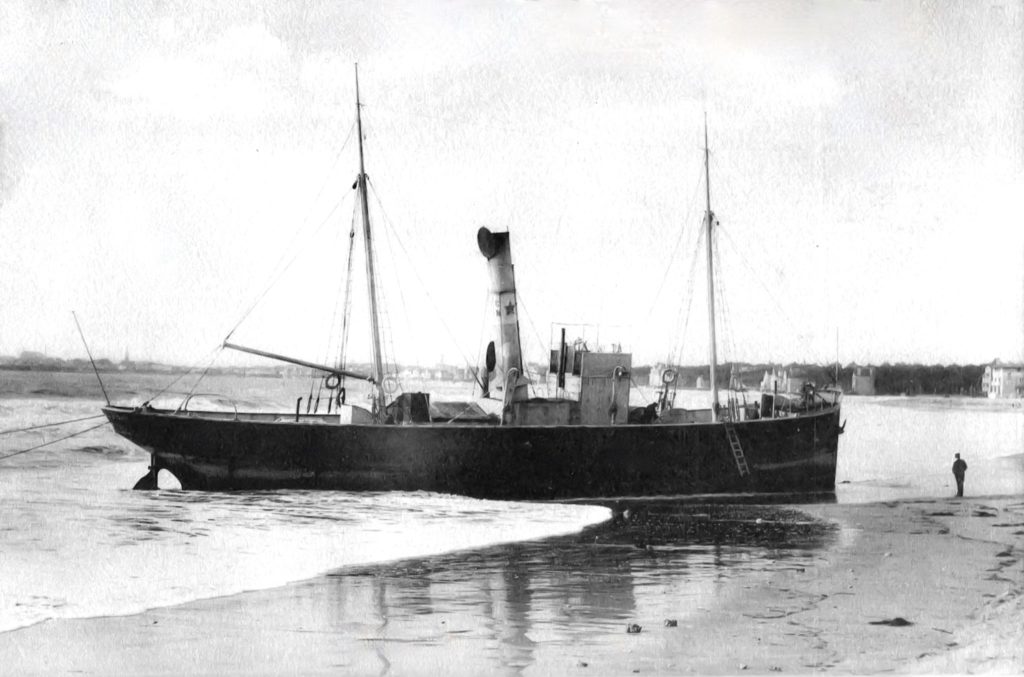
{"points": [[959, 467]]}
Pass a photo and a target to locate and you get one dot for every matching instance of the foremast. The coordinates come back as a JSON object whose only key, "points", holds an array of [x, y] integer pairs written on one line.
{"points": [[379, 401], [709, 219]]}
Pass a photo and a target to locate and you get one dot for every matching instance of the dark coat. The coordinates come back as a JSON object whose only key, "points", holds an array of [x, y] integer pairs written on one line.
{"points": [[959, 467]]}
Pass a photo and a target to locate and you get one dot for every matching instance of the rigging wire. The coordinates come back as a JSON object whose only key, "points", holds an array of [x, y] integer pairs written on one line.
{"points": [[536, 334], [280, 274], [637, 389], [389, 359], [398, 238], [389, 236], [683, 316], [469, 407], [296, 236], [59, 439], [388, 356], [725, 312], [274, 278], [721, 311], [50, 425], [541, 344], [188, 371], [347, 309], [253, 307], [675, 249], [805, 344], [201, 377], [423, 285], [327, 177], [801, 338], [334, 349]]}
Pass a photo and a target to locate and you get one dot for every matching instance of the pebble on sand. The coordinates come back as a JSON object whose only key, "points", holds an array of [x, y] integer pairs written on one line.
{"points": [[897, 622]]}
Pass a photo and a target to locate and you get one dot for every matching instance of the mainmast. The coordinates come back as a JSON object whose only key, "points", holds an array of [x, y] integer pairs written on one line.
{"points": [[378, 363], [710, 220]]}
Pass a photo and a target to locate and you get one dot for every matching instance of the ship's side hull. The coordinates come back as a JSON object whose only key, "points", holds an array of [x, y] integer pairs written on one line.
{"points": [[514, 462]]}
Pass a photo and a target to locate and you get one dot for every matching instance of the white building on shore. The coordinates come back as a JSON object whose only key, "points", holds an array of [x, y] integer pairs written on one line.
{"points": [[1003, 379], [862, 382]]}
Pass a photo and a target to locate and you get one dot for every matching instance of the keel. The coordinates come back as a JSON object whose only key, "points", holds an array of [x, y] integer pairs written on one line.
{"points": [[148, 482]]}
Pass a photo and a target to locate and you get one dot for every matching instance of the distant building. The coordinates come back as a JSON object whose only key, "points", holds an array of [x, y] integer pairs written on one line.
{"points": [[1002, 379], [738, 378], [863, 381], [779, 381], [642, 376]]}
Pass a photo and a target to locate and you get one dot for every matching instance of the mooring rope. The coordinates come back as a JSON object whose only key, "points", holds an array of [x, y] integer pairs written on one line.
{"points": [[59, 439], [49, 425]]}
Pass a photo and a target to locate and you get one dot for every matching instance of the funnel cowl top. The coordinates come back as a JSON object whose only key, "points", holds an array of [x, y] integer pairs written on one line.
{"points": [[491, 244]]}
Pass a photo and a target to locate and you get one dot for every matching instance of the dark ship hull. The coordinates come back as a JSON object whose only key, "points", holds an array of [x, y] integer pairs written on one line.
{"points": [[261, 451]]}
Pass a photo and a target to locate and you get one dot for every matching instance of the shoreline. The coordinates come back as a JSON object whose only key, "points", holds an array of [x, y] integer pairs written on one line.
{"points": [[781, 592], [951, 568]]}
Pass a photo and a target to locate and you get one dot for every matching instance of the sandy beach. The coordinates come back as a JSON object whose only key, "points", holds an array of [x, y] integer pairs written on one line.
{"points": [[924, 586]]}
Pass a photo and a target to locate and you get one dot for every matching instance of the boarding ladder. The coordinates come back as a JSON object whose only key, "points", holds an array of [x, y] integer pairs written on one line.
{"points": [[737, 450]]}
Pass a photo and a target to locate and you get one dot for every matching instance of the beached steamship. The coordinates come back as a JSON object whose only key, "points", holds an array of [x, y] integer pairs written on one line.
{"points": [[588, 444]]}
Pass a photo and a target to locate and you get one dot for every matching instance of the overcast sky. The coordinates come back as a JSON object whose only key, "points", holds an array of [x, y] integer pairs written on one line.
{"points": [[159, 162]]}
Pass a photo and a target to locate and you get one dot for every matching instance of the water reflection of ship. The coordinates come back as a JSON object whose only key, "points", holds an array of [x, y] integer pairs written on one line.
{"points": [[511, 603]]}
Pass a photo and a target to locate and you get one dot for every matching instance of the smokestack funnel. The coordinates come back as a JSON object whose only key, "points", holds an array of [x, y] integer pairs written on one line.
{"points": [[508, 354]]}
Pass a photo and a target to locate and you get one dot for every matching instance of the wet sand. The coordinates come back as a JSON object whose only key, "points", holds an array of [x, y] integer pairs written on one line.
{"points": [[921, 586]]}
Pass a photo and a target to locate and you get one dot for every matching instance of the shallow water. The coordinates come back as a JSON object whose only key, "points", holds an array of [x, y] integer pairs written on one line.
{"points": [[898, 447], [76, 542]]}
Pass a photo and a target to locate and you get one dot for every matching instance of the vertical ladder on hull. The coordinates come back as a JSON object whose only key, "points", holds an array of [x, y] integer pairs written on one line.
{"points": [[737, 450]]}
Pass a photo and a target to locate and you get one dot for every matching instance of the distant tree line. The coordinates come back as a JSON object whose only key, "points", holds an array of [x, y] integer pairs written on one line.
{"points": [[936, 379], [890, 379]]}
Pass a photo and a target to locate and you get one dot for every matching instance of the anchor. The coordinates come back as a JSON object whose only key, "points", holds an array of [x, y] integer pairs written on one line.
{"points": [[148, 482]]}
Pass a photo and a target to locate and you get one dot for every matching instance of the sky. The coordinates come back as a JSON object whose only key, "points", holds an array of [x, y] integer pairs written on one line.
{"points": [[162, 164]]}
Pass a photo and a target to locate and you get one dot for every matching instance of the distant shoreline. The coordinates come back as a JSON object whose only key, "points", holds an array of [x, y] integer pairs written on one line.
{"points": [[905, 380], [169, 369]]}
